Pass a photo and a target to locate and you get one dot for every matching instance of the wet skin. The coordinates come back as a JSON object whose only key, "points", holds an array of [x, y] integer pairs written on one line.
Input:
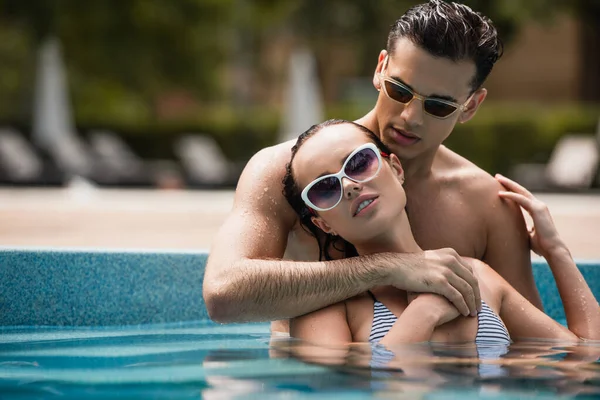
{"points": [[450, 201]]}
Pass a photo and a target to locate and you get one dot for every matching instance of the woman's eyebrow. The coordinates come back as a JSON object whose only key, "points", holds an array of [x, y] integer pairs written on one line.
{"points": [[342, 161], [437, 96]]}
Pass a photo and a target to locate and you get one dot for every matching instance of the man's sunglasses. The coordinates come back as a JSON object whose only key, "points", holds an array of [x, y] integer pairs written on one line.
{"points": [[326, 192], [401, 93]]}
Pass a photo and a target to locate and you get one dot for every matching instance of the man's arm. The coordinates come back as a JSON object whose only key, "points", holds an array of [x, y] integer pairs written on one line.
{"points": [[507, 250], [246, 279]]}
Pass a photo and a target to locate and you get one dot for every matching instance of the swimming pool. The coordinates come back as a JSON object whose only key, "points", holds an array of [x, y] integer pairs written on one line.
{"points": [[106, 324]]}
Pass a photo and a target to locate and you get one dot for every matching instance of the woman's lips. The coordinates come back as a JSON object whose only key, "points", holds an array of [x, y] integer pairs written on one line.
{"points": [[404, 138], [368, 207]]}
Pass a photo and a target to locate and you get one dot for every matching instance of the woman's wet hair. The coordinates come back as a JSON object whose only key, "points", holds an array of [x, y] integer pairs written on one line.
{"points": [[453, 31], [292, 192]]}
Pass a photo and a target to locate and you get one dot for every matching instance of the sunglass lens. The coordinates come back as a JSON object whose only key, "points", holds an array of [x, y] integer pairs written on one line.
{"points": [[397, 92], [325, 193], [438, 109], [363, 165]]}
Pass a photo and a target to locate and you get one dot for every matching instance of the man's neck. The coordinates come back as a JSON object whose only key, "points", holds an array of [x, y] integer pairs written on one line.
{"points": [[420, 167]]}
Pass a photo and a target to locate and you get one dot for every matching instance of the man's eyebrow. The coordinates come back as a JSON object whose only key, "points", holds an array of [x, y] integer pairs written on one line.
{"points": [[437, 96]]}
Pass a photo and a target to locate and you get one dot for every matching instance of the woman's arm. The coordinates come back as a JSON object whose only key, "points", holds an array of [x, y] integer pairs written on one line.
{"points": [[419, 319], [581, 307], [326, 326], [328, 329], [523, 319]]}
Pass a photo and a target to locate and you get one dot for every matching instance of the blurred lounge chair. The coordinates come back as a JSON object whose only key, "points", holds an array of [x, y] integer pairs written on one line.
{"points": [[574, 165], [203, 162], [72, 156], [21, 165], [118, 163], [530, 175], [97, 162], [597, 183], [574, 162]]}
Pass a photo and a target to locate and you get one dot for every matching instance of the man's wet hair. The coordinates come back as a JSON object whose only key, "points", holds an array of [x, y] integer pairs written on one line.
{"points": [[453, 31]]}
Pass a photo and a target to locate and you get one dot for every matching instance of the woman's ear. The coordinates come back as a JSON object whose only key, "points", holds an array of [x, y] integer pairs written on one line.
{"points": [[322, 225], [397, 167]]}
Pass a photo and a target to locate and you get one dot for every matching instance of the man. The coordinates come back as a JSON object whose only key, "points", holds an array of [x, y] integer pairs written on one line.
{"points": [[263, 265]]}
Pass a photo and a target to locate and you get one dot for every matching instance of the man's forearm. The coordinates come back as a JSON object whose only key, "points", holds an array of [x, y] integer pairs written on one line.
{"points": [[263, 290]]}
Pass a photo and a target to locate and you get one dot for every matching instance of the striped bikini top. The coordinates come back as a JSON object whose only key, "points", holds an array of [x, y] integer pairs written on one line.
{"points": [[490, 329]]}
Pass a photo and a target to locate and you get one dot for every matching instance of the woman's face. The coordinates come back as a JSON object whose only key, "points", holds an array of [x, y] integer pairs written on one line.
{"points": [[366, 209]]}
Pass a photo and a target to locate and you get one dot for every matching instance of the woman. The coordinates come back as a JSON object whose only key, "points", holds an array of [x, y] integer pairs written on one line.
{"points": [[364, 203]]}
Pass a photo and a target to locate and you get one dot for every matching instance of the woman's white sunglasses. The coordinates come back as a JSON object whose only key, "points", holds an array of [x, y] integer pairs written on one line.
{"points": [[326, 192]]}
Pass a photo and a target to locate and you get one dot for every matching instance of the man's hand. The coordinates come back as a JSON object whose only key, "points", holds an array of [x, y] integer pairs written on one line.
{"points": [[443, 272]]}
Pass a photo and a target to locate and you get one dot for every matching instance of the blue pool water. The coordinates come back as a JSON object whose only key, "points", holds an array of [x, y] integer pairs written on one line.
{"points": [[102, 324], [200, 360]]}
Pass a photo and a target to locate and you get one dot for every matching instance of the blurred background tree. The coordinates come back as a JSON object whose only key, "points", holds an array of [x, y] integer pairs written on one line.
{"points": [[219, 66], [122, 56]]}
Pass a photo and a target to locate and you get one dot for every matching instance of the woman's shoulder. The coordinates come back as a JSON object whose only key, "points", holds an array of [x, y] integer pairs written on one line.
{"points": [[491, 285], [480, 268]]}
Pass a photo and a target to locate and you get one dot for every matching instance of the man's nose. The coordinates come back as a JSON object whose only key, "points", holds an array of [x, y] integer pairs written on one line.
{"points": [[413, 113], [351, 188]]}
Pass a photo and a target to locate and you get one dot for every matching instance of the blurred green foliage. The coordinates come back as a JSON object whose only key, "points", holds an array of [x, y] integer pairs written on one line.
{"points": [[124, 57], [502, 135], [497, 138]]}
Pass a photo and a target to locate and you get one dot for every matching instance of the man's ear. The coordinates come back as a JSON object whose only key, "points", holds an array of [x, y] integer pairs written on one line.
{"points": [[397, 167], [322, 225], [382, 55], [473, 105]]}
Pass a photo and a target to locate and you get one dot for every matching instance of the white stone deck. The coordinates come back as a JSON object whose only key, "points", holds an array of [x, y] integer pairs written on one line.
{"points": [[152, 219]]}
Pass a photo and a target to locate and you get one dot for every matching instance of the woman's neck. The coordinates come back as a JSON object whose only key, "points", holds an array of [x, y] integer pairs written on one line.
{"points": [[398, 239]]}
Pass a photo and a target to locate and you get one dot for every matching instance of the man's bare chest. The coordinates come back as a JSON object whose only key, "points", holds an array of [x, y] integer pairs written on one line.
{"points": [[447, 222]]}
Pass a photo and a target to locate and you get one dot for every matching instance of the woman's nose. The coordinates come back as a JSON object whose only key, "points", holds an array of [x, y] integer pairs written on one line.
{"points": [[351, 188]]}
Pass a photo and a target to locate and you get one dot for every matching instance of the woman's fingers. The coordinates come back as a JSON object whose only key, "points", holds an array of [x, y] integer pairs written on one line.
{"points": [[513, 186], [520, 199]]}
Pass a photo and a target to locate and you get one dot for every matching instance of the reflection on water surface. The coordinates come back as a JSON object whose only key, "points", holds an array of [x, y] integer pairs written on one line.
{"points": [[199, 360]]}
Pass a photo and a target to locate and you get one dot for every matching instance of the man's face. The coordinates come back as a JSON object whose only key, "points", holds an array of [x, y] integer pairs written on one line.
{"points": [[408, 130]]}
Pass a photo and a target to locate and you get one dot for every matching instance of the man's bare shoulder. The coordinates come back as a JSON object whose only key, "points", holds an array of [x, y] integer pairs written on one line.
{"points": [[263, 175], [260, 187], [478, 190], [456, 172], [269, 163]]}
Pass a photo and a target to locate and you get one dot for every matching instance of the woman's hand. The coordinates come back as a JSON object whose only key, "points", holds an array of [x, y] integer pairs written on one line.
{"points": [[441, 309], [543, 236]]}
